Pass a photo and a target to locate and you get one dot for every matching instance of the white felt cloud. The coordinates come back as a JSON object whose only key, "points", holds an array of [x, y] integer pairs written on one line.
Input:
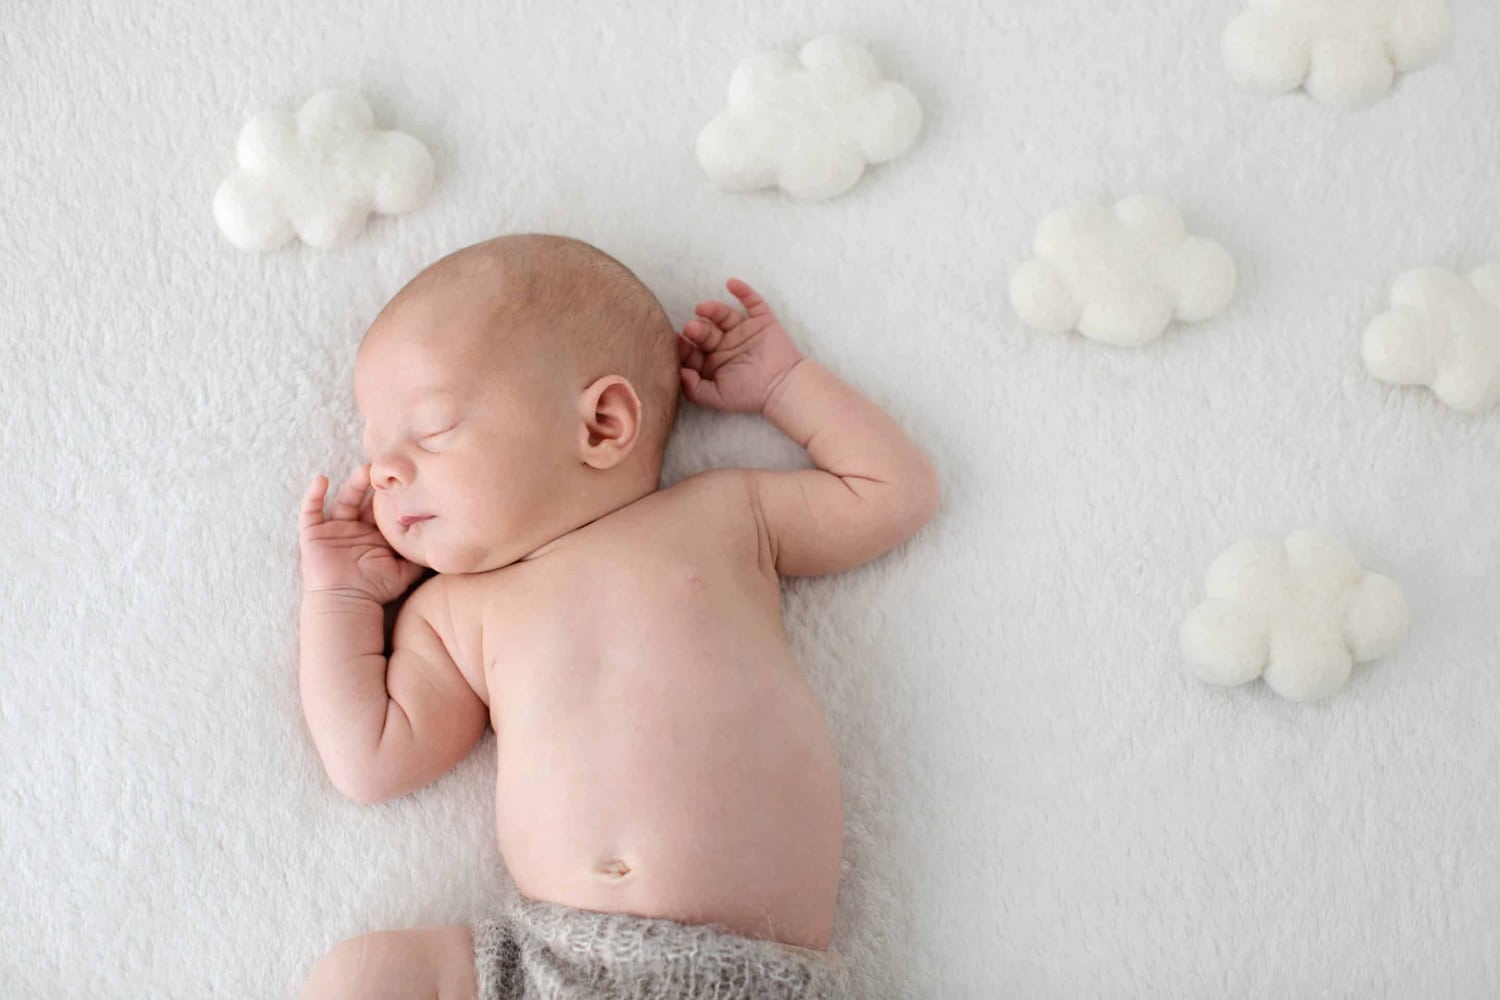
{"points": [[1443, 332], [1344, 52], [808, 124], [318, 175], [1120, 275], [1299, 613]]}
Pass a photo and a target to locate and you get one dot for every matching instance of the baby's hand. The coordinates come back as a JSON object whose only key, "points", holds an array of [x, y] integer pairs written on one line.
{"points": [[346, 553], [732, 362]]}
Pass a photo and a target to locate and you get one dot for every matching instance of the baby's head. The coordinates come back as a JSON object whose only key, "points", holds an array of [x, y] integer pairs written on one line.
{"points": [[516, 390]]}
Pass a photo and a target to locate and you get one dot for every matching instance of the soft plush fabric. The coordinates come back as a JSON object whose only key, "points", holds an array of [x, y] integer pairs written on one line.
{"points": [[1039, 800], [1345, 53], [1120, 275], [1300, 612], [1442, 331], [531, 949], [318, 175], [808, 123]]}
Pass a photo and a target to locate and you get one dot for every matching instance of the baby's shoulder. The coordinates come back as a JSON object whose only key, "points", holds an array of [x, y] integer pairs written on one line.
{"points": [[715, 489], [720, 507]]}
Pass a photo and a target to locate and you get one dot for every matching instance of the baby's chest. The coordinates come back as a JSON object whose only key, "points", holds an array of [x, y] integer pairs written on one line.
{"points": [[643, 602], [622, 684], [622, 632], [667, 580]]}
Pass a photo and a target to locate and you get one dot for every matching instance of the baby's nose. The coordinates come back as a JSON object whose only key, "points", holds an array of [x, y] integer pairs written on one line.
{"points": [[391, 469], [383, 476]]}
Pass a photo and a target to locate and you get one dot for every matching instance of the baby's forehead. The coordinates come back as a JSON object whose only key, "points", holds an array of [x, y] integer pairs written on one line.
{"points": [[389, 377], [445, 338]]}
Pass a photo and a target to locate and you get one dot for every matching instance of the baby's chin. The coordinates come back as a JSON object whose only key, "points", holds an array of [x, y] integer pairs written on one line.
{"points": [[440, 554], [414, 550]]}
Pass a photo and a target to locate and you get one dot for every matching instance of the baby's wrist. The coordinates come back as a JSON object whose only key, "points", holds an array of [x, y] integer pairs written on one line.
{"points": [[338, 600], [779, 385]]}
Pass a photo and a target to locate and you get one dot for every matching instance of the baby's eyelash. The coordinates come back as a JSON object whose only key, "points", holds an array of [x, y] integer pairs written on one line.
{"points": [[437, 434]]}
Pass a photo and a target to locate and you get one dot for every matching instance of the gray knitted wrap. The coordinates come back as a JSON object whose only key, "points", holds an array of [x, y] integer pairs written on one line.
{"points": [[536, 950]]}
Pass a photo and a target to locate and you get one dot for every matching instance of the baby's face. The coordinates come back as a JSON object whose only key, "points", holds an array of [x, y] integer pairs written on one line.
{"points": [[474, 444]]}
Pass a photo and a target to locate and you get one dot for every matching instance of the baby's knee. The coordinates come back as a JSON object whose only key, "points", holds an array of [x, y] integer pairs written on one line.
{"points": [[433, 962], [338, 973], [350, 969]]}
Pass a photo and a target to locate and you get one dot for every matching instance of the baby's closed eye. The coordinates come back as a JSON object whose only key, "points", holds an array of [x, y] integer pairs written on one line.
{"points": [[437, 437]]}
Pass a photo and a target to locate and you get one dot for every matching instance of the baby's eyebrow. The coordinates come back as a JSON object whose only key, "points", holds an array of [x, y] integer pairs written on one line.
{"points": [[437, 389], [421, 397], [425, 396]]}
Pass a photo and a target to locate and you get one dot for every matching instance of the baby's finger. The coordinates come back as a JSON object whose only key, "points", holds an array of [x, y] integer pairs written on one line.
{"points": [[749, 298], [688, 355], [346, 505], [311, 513], [727, 317], [700, 391], [367, 509], [704, 333]]}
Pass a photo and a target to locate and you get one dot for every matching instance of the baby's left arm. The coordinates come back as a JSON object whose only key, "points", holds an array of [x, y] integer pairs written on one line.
{"points": [[873, 487]]}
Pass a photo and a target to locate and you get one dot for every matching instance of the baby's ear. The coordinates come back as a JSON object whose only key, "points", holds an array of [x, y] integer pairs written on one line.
{"points": [[610, 421]]}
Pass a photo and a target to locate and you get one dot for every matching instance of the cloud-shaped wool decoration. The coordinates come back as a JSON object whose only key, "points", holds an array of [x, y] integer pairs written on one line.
{"points": [[1120, 275], [1299, 613], [318, 175], [1343, 52], [1442, 332], [808, 124]]}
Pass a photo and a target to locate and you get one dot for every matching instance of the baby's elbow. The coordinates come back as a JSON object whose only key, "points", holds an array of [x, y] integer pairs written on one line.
{"points": [[925, 498], [367, 796], [363, 788], [907, 509], [934, 493]]}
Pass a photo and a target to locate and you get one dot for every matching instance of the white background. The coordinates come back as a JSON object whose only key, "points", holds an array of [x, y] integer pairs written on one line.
{"points": [[1039, 802]]}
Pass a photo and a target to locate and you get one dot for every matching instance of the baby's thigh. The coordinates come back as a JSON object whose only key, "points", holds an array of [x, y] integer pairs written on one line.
{"points": [[433, 963]]}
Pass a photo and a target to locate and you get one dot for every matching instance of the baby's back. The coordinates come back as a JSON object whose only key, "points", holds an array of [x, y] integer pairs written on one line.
{"points": [[659, 749]]}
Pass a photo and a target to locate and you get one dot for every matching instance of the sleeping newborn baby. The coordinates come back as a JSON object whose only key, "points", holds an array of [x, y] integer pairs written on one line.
{"points": [[666, 794]]}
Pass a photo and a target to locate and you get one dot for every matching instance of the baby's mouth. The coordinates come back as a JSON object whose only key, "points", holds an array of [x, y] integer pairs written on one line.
{"points": [[408, 521]]}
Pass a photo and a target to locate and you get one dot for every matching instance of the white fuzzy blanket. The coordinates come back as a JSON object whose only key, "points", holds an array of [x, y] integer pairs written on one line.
{"points": [[1039, 802]]}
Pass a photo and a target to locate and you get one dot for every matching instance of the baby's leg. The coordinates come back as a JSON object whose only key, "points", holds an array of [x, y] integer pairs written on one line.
{"points": [[433, 963]]}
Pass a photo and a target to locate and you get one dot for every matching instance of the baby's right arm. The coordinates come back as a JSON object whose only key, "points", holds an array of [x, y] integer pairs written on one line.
{"points": [[383, 726]]}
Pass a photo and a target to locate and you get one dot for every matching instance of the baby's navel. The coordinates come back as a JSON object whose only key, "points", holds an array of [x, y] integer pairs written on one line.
{"points": [[614, 867]]}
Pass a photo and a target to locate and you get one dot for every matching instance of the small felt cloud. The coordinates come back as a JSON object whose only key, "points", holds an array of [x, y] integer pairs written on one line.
{"points": [[1120, 275], [1443, 332], [1343, 52], [318, 175], [808, 124], [1299, 613]]}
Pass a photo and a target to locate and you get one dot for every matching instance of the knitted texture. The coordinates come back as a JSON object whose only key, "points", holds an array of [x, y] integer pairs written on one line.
{"points": [[536, 950]]}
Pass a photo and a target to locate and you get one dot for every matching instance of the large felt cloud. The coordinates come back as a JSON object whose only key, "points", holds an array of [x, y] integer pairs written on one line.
{"points": [[1299, 613], [1442, 332], [808, 124], [1343, 52], [1120, 275], [318, 175]]}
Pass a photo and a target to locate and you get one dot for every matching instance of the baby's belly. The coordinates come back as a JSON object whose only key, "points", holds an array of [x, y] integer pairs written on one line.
{"points": [[699, 791]]}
